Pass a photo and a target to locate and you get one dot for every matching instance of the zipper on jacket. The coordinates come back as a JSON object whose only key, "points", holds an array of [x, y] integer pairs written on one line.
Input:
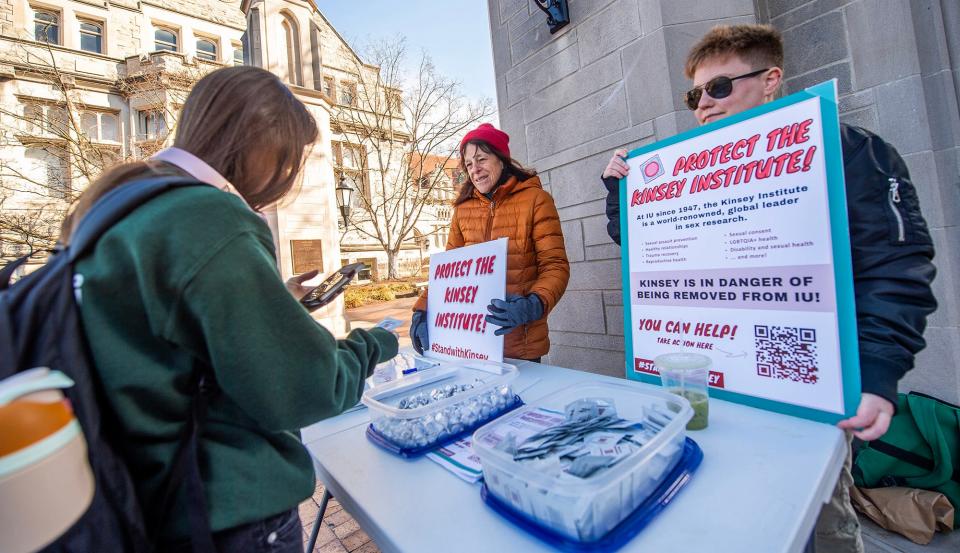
{"points": [[486, 233], [893, 198]]}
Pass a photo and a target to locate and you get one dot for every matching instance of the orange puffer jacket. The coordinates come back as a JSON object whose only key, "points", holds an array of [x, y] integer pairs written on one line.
{"points": [[537, 263]]}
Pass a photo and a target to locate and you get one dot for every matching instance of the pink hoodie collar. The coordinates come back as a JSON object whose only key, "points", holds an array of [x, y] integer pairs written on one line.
{"points": [[198, 169]]}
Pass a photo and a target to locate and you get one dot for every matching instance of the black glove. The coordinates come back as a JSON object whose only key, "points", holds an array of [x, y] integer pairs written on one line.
{"points": [[418, 331], [514, 311]]}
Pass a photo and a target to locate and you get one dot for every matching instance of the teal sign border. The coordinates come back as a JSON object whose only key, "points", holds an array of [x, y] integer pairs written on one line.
{"points": [[842, 264]]}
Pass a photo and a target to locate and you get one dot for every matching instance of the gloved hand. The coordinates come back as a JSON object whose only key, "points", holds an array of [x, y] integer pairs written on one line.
{"points": [[514, 311], [418, 331]]}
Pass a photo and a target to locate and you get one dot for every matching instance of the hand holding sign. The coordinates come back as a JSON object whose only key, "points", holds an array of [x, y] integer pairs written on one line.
{"points": [[463, 282], [513, 312], [736, 246]]}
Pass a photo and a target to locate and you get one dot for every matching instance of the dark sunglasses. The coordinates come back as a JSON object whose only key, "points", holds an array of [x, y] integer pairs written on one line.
{"points": [[718, 88]]}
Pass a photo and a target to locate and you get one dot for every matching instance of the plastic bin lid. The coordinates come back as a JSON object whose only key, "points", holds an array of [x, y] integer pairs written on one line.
{"points": [[629, 527]]}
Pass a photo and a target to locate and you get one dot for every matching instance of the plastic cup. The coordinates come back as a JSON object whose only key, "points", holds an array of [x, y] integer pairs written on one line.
{"points": [[687, 374]]}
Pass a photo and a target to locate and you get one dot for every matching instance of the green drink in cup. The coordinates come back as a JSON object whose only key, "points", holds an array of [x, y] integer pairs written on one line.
{"points": [[686, 375]]}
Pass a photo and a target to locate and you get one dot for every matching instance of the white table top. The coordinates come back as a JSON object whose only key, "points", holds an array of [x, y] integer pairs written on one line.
{"points": [[763, 479]]}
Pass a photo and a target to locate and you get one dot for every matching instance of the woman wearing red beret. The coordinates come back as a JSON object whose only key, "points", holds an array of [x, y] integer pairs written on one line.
{"points": [[501, 198]]}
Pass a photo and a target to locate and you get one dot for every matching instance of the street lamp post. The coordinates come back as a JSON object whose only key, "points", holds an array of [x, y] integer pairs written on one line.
{"points": [[344, 196]]}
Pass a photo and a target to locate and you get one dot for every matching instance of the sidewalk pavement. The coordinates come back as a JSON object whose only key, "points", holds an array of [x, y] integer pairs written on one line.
{"points": [[369, 315]]}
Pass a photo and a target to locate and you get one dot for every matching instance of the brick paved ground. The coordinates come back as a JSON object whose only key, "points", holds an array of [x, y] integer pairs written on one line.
{"points": [[339, 533]]}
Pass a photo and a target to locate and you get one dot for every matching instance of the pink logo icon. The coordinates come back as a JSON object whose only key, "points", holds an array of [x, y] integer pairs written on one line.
{"points": [[651, 169]]}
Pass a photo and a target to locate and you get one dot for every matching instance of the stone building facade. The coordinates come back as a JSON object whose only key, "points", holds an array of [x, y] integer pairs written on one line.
{"points": [[103, 80], [618, 66]]}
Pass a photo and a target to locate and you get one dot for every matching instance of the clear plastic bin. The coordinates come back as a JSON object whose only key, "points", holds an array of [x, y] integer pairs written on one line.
{"points": [[412, 430], [400, 366], [585, 509]]}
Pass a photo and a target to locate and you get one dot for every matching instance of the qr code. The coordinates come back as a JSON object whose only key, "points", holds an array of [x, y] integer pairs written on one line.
{"points": [[787, 353]]}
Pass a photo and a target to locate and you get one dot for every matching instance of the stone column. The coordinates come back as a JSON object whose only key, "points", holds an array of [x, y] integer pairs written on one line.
{"points": [[612, 78]]}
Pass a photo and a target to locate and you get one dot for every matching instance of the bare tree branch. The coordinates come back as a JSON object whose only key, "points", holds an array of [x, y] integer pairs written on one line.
{"points": [[70, 142], [408, 127]]}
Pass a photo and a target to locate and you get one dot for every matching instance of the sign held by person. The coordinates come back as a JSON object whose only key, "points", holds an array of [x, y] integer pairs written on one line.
{"points": [[737, 246], [462, 283]]}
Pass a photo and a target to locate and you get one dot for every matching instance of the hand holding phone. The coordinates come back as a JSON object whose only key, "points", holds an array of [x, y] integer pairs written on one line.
{"points": [[331, 287]]}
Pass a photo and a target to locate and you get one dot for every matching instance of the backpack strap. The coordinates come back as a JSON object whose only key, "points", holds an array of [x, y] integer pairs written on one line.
{"points": [[7, 272], [106, 212], [117, 204], [186, 472]]}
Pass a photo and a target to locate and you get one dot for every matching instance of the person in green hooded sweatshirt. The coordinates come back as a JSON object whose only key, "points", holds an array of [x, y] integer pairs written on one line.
{"points": [[188, 284]]}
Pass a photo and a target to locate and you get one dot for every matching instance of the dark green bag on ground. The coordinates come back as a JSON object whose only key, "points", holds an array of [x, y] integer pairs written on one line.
{"points": [[921, 450]]}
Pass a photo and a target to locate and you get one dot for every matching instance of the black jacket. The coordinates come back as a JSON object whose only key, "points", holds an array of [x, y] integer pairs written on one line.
{"points": [[891, 250]]}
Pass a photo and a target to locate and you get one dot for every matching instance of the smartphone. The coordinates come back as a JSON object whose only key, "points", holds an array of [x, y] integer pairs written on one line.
{"points": [[331, 287]]}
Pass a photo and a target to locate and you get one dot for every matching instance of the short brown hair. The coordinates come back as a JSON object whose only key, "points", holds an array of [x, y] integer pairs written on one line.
{"points": [[759, 45]]}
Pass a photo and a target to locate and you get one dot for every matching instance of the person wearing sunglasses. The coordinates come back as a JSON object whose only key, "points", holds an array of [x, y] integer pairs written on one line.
{"points": [[735, 68]]}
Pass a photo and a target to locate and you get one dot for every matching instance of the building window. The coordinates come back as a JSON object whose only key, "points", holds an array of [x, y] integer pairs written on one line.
{"points": [[46, 26], [151, 125], [164, 39], [47, 168], [238, 58], [45, 119], [291, 36], [100, 127], [348, 94], [33, 118], [109, 127], [207, 49], [394, 102], [329, 89], [91, 37], [350, 160], [90, 125]]}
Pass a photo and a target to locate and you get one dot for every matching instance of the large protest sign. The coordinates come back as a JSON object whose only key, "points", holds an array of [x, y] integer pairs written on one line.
{"points": [[735, 245], [462, 283]]}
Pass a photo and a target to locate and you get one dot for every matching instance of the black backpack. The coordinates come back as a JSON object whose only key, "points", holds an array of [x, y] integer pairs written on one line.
{"points": [[40, 326]]}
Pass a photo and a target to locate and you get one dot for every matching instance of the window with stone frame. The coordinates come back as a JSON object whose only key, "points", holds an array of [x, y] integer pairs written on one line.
{"points": [[291, 72], [165, 39], [394, 102], [151, 124], [100, 126], [46, 25], [47, 167], [207, 49], [91, 36], [330, 89], [45, 119], [348, 94], [350, 161], [238, 53]]}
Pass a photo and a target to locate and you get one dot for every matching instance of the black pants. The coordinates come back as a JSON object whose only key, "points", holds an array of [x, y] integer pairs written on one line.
{"points": [[281, 533]]}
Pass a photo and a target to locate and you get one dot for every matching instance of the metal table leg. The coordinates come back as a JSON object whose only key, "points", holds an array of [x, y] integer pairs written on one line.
{"points": [[316, 525]]}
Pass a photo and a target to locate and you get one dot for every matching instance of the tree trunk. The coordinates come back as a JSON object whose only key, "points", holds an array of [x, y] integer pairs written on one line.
{"points": [[393, 264]]}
